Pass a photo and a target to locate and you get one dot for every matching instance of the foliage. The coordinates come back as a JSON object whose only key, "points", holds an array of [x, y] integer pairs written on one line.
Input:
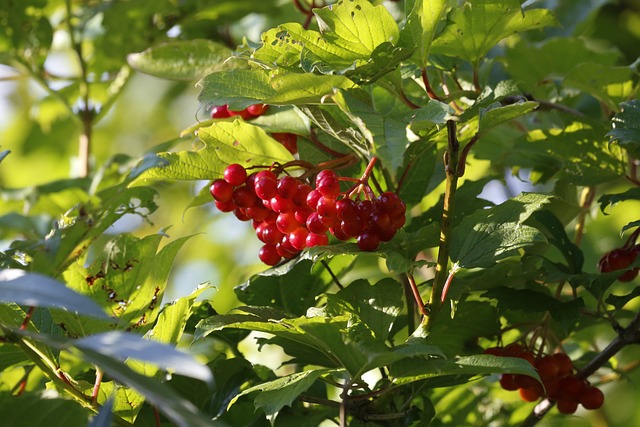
{"points": [[509, 130]]}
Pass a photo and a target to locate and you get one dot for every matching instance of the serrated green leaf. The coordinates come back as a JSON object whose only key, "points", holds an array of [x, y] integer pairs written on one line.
{"points": [[377, 306], [275, 395], [181, 59], [293, 293], [224, 143], [411, 370], [479, 25], [305, 88], [626, 127], [386, 135], [487, 236], [619, 301]]}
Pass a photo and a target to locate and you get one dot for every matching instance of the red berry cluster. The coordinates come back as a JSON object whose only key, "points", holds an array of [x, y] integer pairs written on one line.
{"points": [[251, 112], [559, 381], [621, 259], [289, 140], [288, 215]]}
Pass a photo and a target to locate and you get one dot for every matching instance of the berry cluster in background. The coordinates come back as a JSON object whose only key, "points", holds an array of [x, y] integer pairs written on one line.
{"points": [[559, 380], [622, 258], [288, 215]]}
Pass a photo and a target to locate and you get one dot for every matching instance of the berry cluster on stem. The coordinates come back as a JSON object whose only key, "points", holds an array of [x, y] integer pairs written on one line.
{"points": [[622, 258], [559, 380], [288, 215]]}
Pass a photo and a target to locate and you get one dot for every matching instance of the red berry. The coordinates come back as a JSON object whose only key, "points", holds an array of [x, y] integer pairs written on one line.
{"points": [[287, 186], [286, 222], [529, 394], [220, 112], [329, 185], [314, 239], [389, 202], [257, 110], [235, 174], [312, 199], [289, 140], [591, 398], [368, 241], [298, 238], [616, 259], [495, 351], [300, 196], [269, 255], [221, 190], [507, 382], [326, 207], [280, 204], [565, 365], [315, 225], [571, 388], [547, 367], [227, 206], [265, 188], [347, 210], [242, 113], [567, 406], [244, 197]]}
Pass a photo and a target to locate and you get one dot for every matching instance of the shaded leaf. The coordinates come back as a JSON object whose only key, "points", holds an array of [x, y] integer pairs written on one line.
{"points": [[181, 59], [487, 236], [34, 410], [626, 127]]}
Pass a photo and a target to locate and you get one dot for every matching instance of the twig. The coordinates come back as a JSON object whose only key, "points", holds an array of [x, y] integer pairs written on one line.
{"points": [[333, 276], [442, 262], [416, 295]]}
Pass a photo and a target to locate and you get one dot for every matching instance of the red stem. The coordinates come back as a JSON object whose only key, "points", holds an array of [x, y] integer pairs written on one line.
{"points": [[427, 86], [447, 284], [416, 295]]}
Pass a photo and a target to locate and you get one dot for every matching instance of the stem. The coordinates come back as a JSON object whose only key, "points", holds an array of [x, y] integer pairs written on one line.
{"points": [[85, 114], [333, 276], [586, 199], [442, 262], [629, 335], [427, 86], [416, 295], [96, 385], [447, 284]]}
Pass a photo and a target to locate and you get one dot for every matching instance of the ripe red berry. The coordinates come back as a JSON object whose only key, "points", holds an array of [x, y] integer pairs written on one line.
{"points": [[567, 406], [227, 206], [221, 190], [286, 222], [287, 186], [269, 255], [315, 224], [529, 394], [235, 174], [507, 382], [289, 140], [298, 238], [257, 110], [368, 241], [591, 398], [565, 365], [220, 112], [244, 197], [547, 367], [314, 239], [242, 113]]}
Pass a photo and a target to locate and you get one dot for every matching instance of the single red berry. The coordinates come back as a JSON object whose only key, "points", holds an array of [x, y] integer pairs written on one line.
{"points": [[287, 186], [326, 207], [220, 112], [347, 210], [269, 255], [235, 174], [329, 185], [227, 206], [565, 365], [507, 382], [389, 202], [298, 238], [281, 204], [591, 398], [221, 190], [495, 351], [529, 394], [571, 388], [312, 199], [257, 110], [547, 367], [368, 241], [315, 225], [314, 239], [286, 222], [300, 196], [616, 259], [567, 406]]}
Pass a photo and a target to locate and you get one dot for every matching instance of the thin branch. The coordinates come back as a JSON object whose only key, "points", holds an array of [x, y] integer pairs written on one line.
{"points": [[442, 262], [416, 295]]}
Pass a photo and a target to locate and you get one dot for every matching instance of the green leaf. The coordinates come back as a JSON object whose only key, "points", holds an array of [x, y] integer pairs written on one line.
{"points": [[423, 22], [497, 114], [104, 417], [626, 127], [275, 395], [34, 409], [121, 346], [555, 233], [224, 143], [607, 200], [128, 279], [487, 236], [386, 135], [293, 292], [37, 290], [479, 25], [619, 301], [608, 84], [181, 59], [377, 306], [237, 88], [305, 88], [411, 370]]}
